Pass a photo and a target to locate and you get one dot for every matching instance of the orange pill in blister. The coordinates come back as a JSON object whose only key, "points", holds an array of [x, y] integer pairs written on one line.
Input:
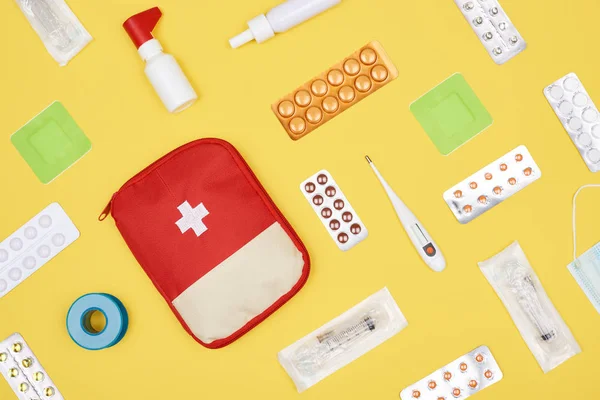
{"points": [[368, 56], [334, 224], [473, 185], [297, 125], [319, 88], [322, 179], [346, 94], [338, 204], [326, 212], [310, 187], [456, 392], [352, 67], [302, 98], [343, 237], [512, 181], [503, 167], [330, 104], [335, 77], [416, 394], [379, 73], [479, 358], [286, 108], [473, 384], [447, 375], [498, 190], [488, 374], [347, 216], [314, 115], [431, 384], [488, 176], [458, 194], [468, 208], [362, 83], [463, 366], [441, 398], [482, 199], [527, 171], [318, 200], [519, 157], [355, 229], [330, 191]]}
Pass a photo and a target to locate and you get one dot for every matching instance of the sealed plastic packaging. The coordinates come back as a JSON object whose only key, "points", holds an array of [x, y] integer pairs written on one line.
{"points": [[342, 340], [60, 30], [539, 323]]}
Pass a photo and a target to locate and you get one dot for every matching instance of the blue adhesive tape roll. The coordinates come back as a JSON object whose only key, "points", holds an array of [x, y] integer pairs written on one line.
{"points": [[80, 328]]}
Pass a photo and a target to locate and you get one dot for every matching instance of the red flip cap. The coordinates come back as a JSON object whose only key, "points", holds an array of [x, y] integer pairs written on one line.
{"points": [[140, 26]]}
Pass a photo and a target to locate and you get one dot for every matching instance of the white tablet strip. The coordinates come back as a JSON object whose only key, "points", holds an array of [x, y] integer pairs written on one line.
{"points": [[578, 114], [33, 245], [493, 28]]}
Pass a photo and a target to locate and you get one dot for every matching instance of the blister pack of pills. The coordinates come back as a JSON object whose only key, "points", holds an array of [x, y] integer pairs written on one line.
{"points": [[335, 90], [493, 28], [492, 185], [334, 210], [33, 245], [24, 372], [579, 115], [460, 379]]}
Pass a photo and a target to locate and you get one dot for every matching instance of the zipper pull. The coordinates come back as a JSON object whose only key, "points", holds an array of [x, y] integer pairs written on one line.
{"points": [[106, 210]]}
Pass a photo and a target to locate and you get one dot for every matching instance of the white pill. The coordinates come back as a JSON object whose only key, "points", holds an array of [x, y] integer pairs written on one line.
{"points": [[29, 262], [571, 84], [565, 107], [584, 139], [575, 124], [589, 115], [58, 239], [16, 244], [596, 131], [15, 274], [45, 221], [30, 232], [43, 251], [3, 285], [580, 99], [556, 92], [3, 255], [594, 156]]}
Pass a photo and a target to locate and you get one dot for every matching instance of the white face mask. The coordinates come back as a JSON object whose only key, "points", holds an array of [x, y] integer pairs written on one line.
{"points": [[586, 268]]}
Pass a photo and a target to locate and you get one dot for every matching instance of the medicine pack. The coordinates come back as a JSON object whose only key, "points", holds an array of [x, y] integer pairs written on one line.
{"points": [[212, 241], [58, 28], [494, 29], [34, 244], [579, 116], [335, 90], [492, 185], [342, 340], [460, 379], [24, 372], [525, 299], [334, 210]]}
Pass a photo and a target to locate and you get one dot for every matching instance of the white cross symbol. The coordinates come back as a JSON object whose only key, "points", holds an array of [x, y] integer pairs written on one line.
{"points": [[192, 218]]}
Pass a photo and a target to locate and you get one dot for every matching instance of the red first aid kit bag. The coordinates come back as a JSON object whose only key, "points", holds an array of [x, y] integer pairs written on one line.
{"points": [[211, 240]]}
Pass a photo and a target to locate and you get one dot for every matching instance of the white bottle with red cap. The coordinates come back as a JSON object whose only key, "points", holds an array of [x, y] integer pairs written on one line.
{"points": [[280, 19], [163, 71]]}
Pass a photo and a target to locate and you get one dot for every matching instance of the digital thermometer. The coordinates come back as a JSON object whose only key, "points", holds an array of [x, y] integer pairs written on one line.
{"points": [[426, 247]]}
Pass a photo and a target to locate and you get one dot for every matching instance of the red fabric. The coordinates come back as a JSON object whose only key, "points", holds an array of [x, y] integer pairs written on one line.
{"points": [[208, 171]]}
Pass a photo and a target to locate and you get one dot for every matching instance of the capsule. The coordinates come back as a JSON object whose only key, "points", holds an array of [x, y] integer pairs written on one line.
{"points": [[519, 157], [498, 190], [23, 387], [27, 362], [416, 394], [527, 171], [458, 194], [512, 181], [463, 366], [13, 372], [468, 208], [488, 176], [482, 199], [456, 392], [3, 357], [432, 384], [488, 374], [479, 358], [17, 347], [473, 185], [503, 167], [447, 375], [49, 391], [473, 384]]}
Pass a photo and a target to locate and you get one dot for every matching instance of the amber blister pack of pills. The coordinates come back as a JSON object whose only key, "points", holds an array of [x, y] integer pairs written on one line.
{"points": [[335, 90], [460, 379], [23, 371], [492, 185]]}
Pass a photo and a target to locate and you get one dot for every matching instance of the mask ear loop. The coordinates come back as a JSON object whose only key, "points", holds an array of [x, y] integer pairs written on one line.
{"points": [[574, 223]]}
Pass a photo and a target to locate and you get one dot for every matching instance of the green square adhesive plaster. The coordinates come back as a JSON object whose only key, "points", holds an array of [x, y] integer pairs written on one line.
{"points": [[451, 114], [51, 142]]}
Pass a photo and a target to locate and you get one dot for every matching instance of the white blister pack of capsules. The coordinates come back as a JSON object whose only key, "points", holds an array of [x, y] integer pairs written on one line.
{"points": [[492, 185], [334, 210], [578, 114], [33, 245], [460, 379], [493, 28], [23, 371]]}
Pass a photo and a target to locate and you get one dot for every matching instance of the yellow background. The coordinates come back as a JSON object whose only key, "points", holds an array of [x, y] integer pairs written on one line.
{"points": [[449, 313]]}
